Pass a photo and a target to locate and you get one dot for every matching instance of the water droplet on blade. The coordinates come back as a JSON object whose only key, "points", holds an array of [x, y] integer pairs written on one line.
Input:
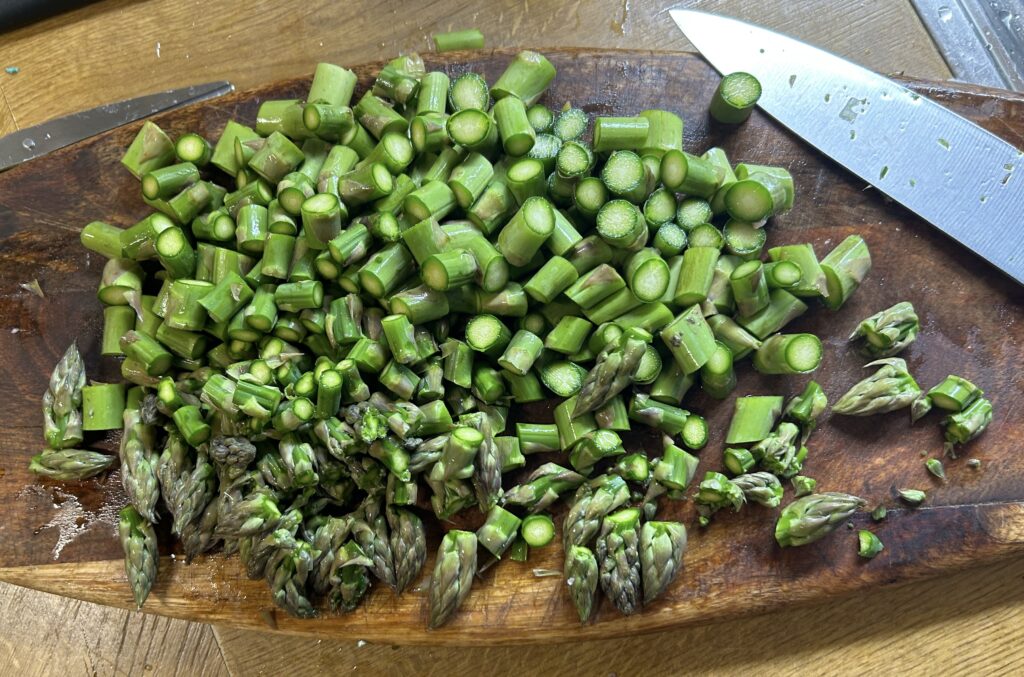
{"points": [[945, 14], [853, 108], [28, 144]]}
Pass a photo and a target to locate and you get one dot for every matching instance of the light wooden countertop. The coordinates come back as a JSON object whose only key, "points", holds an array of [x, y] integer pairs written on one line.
{"points": [[118, 49]]}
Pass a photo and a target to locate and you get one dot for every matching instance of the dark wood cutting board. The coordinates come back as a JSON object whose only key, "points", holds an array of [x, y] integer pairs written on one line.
{"points": [[972, 324]]}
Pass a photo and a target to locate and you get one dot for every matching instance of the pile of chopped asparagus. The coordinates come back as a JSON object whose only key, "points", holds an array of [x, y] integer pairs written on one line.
{"points": [[329, 323]]}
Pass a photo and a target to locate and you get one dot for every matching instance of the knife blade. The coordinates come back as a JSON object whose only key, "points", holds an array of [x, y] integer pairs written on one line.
{"points": [[962, 179], [26, 144]]}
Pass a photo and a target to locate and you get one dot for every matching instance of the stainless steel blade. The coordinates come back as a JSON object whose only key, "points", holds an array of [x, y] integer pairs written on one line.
{"points": [[26, 144], [951, 172]]}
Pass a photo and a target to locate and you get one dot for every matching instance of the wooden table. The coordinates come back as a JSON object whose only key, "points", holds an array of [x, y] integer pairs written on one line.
{"points": [[969, 622]]}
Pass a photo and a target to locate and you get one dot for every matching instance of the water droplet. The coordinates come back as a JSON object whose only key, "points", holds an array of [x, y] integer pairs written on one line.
{"points": [[983, 199], [853, 134], [792, 79], [853, 108], [886, 96], [828, 98], [761, 50], [885, 170], [28, 144], [945, 14], [913, 182], [944, 143]]}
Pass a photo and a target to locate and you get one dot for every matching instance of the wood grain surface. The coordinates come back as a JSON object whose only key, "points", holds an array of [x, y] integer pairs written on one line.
{"points": [[54, 635], [971, 628], [975, 517], [118, 49]]}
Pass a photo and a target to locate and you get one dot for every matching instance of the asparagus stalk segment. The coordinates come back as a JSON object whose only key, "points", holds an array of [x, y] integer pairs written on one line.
{"points": [[690, 340], [964, 426], [735, 98]]}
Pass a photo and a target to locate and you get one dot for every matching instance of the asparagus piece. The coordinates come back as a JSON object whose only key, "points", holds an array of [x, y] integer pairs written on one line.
{"points": [[612, 372], [802, 486], [140, 553], [813, 517], [735, 98], [62, 401], [964, 426], [716, 491], [198, 535], [456, 40], [618, 554], [889, 331], [288, 574], [845, 267], [869, 545], [753, 418], [661, 556], [453, 575], [498, 531], [762, 488], [934, 466], [256, 514], [777, 452], [349, 578], [70, 464], [953, 394], [408, 546], [138, 465], [232, 455], [888, 389], [593, 501], [371, 532], [537, 530], [187, 485], [487, 465], [543, 487], [912, 497], [581, 575], [804, 409]]}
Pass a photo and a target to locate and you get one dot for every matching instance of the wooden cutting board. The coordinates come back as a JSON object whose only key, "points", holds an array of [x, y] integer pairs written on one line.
{"points": [[61, 537]]}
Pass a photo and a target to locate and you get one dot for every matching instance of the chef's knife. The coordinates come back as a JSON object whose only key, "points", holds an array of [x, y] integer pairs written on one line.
{"points": [[26, 144], [965, 181]]}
